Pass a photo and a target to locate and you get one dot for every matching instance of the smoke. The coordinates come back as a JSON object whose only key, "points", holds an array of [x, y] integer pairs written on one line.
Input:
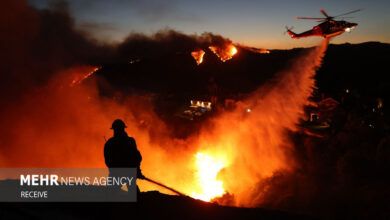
{"points": [[165, 42], [47, 123], [38, 43], [40, 117]]}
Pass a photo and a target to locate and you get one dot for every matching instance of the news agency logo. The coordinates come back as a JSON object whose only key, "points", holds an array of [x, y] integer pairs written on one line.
{"points": [[39, 180], [68, 185], [53, 180]]}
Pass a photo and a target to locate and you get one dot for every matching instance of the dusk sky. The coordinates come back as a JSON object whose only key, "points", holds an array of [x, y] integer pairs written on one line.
{"points": [[254, 23]]}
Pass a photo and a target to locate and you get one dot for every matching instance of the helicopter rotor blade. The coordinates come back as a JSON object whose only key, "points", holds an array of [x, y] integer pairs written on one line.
{"points": [[360, 9], [308, 18], [324, 13]]}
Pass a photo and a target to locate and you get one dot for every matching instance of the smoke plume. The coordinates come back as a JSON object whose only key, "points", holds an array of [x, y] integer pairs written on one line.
{"points": [[45, 122]]}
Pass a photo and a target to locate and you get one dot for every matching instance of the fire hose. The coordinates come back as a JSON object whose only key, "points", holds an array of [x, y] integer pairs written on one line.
{"points": [[166, 187]]}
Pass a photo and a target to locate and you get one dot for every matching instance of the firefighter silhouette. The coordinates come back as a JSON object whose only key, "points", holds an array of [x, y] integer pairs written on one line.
{"points": [[120, 151]]}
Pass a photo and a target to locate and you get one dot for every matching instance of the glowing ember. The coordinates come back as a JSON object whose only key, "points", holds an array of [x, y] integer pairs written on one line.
{"points": [[198, 56], [78, 79], [224, 53], [208, 168]]}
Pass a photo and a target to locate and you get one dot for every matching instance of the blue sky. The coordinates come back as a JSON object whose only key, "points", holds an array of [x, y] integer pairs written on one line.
{"points": [[254, 23]]}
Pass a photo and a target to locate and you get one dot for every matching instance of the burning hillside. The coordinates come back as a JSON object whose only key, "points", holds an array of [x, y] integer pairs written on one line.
{"points": [[198, 56], [63, 99], [224, 53]]}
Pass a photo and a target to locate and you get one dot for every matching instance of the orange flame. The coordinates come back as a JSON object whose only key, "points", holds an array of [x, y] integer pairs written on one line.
{"points": [[198, 56], [224, 53], [79, 78], [207, 170]]}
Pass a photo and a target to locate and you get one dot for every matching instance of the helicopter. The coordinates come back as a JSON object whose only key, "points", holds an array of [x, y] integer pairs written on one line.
{"points": [[328, 28]]}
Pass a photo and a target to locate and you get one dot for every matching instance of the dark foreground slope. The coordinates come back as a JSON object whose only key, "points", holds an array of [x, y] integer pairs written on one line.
{"points": [[153, 205]]}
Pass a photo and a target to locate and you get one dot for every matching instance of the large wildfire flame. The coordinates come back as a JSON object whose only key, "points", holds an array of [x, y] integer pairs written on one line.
{"points": [[207, 171], [235, 152], [224, 53]]}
